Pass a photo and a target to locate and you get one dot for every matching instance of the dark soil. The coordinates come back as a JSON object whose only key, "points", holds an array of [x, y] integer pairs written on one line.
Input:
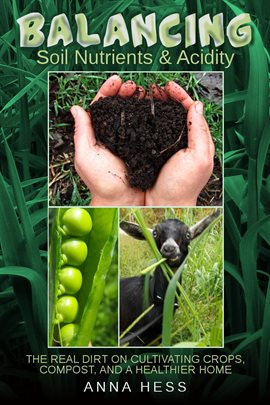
{"points": [[143, 133]]}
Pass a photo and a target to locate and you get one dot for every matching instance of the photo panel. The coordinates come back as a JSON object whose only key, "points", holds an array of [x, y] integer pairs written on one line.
{"points": [[83, 277], [171, 269], [144, 136]]}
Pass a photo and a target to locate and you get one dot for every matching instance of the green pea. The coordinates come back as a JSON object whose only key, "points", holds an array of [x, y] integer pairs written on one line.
{"points": [[70, 280], [74, 252], [68, 332], [76, 222], [67, 308]]}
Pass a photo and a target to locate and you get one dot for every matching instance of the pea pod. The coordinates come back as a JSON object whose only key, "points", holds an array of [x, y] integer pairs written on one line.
{"points": [[82, 245]]}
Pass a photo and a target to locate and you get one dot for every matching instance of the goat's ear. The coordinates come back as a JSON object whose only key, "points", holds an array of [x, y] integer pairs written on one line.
{"points": [[132, 230], [198, 228]]}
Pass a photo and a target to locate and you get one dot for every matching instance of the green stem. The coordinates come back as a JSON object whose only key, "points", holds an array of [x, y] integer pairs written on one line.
{"points": [[169, 303], [153, 266], [136, 320], [252, 197], [150, 240]]}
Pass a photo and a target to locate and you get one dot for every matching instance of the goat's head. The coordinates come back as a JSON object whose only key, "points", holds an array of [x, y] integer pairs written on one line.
{"points": [[172, 236]]}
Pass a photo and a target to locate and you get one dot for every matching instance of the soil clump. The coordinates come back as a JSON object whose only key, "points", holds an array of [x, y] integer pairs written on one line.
{"points": [[143, 133]]}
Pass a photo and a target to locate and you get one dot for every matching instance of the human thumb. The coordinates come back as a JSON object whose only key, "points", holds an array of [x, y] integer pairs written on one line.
{"points": [[199, 138], [84, 136]]}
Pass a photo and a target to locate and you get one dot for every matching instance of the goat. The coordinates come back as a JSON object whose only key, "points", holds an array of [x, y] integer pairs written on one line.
{"points": [[172, 238]]}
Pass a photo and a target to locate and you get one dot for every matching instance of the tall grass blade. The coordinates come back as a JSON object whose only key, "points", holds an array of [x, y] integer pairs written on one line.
{"points": [[248, 255], [248, 341], [32, 251], [38, 292], [264, 368], [141, 316], [12, 243], [262, 157], [234, 272]]}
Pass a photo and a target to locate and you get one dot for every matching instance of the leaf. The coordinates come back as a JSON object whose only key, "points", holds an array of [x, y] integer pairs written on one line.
{"points": [[11, 242], [262, 153], [235, 97], [249, 340], [235, 187], [236, 337], [234, 272], [24, 91], [32, 252], [102, 220], [88, 319], [264, 367], [38, 290], [248, 257], [256, 106], [233, 155]]}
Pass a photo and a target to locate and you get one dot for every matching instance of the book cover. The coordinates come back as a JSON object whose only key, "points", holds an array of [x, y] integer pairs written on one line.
{"points": [[165, 82]]}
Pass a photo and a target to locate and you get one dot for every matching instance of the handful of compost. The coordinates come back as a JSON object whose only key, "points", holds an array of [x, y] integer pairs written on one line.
{"points": [[143, 133]]}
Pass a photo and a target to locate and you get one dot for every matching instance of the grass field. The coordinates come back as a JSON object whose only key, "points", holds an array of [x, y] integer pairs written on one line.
{"points": [[202, 276], [68, 89]]}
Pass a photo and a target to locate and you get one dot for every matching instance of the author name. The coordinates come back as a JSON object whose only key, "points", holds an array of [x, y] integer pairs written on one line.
{"points": [[144, 386]]}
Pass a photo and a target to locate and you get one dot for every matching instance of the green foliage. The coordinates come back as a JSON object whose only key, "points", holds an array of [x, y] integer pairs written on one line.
{"points": [[199, 318], [98, 294], [106, 327], [203, 280]]}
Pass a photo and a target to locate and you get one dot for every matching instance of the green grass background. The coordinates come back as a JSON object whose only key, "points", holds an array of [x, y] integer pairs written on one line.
{"points": [[23, 204]]}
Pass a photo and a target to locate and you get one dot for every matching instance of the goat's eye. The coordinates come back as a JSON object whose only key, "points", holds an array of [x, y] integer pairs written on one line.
{"points": [[188, 235], [154, 233]]}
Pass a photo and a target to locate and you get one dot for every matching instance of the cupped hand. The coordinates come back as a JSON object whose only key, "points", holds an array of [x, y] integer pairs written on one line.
{"points": [[102, 172], [184, 175], [181, 178]]}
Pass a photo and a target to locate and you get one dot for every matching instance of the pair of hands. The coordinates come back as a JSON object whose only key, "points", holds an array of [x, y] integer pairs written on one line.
{"points": [[181, 178]]}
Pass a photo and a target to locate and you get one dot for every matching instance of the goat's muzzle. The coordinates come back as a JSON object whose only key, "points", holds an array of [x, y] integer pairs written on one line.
{"points": [[170, 250]]}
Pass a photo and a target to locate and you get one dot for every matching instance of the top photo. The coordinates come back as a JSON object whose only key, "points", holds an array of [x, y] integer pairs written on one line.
{"points": [[136, 139]]}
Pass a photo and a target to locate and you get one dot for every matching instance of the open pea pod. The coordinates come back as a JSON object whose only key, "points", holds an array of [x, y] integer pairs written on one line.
{"points": [[81, 254]]}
